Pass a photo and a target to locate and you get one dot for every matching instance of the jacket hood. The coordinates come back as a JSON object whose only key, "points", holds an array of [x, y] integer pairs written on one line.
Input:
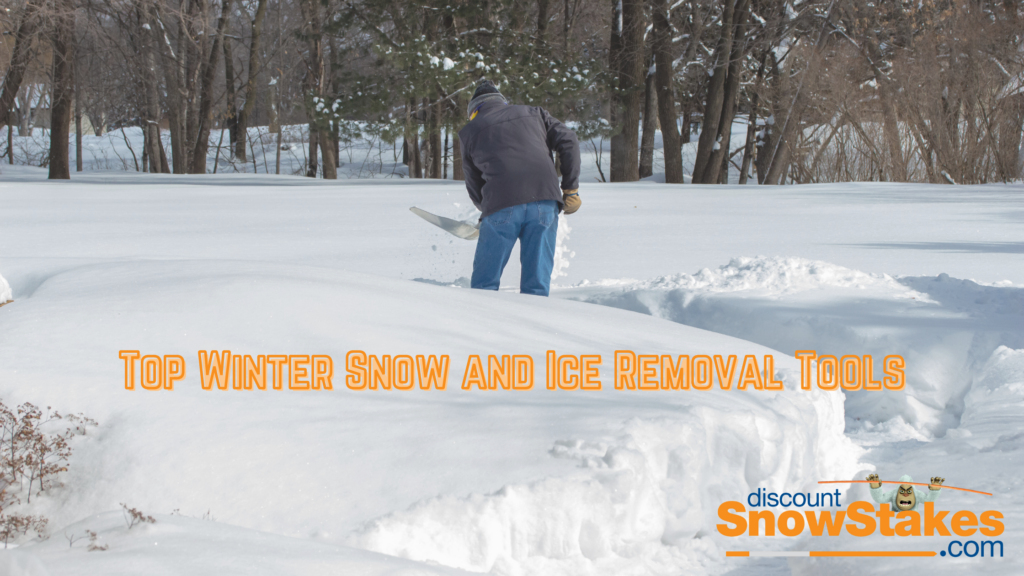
{"points": [[482, 99]]}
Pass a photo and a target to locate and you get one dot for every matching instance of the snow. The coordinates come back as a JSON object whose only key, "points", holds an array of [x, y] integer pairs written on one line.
{"points": [[949, 327], [5, 291], [193, 546], [537, 482], [331, 472]]}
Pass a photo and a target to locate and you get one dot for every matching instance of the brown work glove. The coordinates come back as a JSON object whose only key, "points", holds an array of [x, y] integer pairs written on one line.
{"points": [[571, 201]]}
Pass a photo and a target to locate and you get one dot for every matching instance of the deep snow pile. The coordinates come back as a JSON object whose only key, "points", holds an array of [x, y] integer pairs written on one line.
{"points": [[6, 295], [945, 328], [986, 450], [322, 464], [771, 277], [645, 501], [513, 483]]}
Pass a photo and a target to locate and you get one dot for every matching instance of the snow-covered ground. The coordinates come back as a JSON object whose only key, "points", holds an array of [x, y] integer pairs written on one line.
{"points": [[537, 482]]}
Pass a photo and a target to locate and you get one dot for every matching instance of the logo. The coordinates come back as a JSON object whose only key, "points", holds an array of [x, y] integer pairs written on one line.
{"points": [[901, 512]]}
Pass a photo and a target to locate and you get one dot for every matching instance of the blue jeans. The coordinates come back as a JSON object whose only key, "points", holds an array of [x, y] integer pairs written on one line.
{"points": [[535, 225]]}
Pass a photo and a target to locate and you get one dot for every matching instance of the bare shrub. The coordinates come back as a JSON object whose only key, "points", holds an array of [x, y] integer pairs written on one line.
{"points": [[133, 516], [31, 460]]}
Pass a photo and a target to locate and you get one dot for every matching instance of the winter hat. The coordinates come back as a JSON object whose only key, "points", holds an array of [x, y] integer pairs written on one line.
{"points": [[485, 90], [485, 87]]}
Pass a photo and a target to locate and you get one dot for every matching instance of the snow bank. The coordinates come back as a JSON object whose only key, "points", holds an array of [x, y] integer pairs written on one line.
{"points": [[632, 478], [177, 544], [995, 404], [945, 328], [773, 277], [644, 502], [983, 453], [6, 295]]}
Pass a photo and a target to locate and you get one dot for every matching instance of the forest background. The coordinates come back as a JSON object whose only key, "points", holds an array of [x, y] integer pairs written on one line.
{"points": [[828, 90]]}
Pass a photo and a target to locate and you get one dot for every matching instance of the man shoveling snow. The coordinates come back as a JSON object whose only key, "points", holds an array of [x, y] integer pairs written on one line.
{"points": [[506, 159]]}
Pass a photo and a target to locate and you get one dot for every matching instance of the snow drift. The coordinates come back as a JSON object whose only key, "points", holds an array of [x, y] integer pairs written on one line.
{"points": [[644, 502], [633, 479], [5, 291], [944, 327]]}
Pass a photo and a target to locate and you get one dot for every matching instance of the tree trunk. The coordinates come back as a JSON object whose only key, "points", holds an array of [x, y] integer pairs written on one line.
{"points": [[417, 159], [765, 139], [781, 153], [407, 157], [27, 114], [748, 144], [180, 77], [567, 21], [277, 155], [412, 140], [175, 104], [63, 89], [709, 134], [890, 128], [151, 88], [78, 125], [314, 136], [316, 84], [19, 61], [205, 114], [719, 160], [250, 83], [434, 132], [650, 122], [236, 145], [336, 142], [627, 55], [327, 155], [275, 124], [670, 144], [542, 20], [190, 122], [164, 168], [457, 173]]}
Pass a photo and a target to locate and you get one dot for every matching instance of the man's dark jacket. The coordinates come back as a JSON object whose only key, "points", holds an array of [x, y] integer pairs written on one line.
{"points": [[506, 156]]}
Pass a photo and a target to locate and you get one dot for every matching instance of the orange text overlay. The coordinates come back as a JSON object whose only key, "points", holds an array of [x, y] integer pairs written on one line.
{"points": [[858, 519], [224, 370]]}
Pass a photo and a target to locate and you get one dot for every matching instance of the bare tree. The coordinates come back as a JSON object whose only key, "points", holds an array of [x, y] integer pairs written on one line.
{"points": [[650, 119], [245, 114], [23, 38], [316, 86], [63, 19], [206, 95], [626, 57], [663, 81]]}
